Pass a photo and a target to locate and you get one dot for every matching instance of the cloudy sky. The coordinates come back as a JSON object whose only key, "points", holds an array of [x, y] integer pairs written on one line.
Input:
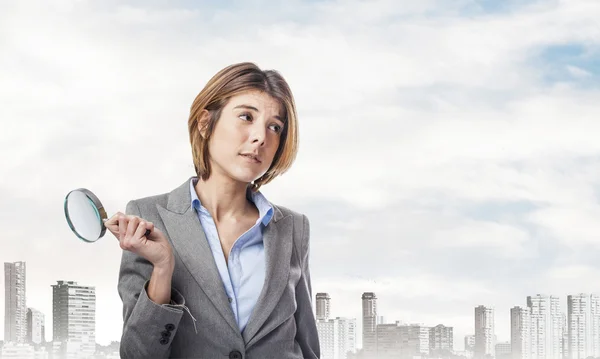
{"points": [[450, 150]]}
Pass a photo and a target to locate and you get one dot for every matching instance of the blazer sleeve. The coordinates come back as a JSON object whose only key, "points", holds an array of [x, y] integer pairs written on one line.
{"points": [[306, 333], [148, 327]]}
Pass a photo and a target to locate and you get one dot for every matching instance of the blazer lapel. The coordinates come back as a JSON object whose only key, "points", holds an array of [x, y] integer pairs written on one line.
{"points": [[278, 242], [189, 240]]}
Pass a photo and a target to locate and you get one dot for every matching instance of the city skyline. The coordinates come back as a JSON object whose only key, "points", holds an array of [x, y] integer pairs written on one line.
{"points": [[327, 311], [449, 154]]}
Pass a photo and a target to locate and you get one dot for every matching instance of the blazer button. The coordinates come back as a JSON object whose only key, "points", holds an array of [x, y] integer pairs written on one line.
{"points": [[164, 341], [165, 333], [169, 327], [235, 355]]}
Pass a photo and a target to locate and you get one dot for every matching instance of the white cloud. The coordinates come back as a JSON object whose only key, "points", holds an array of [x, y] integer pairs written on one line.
{"points": [[578, 72], [407, 287], [572, 279], [574, 225], [505, 239]]}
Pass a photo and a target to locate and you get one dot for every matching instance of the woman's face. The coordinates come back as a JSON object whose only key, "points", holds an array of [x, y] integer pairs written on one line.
{"points": [[246, 137]]}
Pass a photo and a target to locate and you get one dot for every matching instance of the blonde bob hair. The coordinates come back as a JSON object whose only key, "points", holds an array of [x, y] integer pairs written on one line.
{"points": [[229, 82]]}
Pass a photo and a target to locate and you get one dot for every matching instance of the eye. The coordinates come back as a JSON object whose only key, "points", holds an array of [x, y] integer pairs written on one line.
{"points": [[249, 117], [276, 128]]}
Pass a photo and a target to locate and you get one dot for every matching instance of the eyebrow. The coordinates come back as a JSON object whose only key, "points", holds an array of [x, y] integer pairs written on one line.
{"points": [[248, 107]]}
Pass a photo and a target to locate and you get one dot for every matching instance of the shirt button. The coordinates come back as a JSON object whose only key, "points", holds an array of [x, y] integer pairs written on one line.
{"points": [[230, 300]]}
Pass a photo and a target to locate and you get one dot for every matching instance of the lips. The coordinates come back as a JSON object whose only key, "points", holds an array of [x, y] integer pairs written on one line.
{"points": [[251, 157]]}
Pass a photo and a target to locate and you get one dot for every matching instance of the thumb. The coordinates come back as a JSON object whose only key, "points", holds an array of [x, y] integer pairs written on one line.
{"points": [[110, 224]]}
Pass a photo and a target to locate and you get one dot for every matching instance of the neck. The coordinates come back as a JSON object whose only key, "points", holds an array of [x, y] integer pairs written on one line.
{"points": [[223, 199]]}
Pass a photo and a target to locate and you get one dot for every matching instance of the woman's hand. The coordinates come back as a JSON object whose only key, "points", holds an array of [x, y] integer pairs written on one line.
{"points": [[131, 232]]}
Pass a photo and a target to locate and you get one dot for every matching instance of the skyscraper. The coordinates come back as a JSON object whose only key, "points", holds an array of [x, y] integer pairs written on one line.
{"points": [[328, 341], [337, 337], [503, 350], [402, 341], [441, 339], [469, 344], [484, 332], [578, 322], [15, 306], [74, 317], [595, 325], [582, 326], [36, 331], [546, 327], [347, 335], [369, 323], [520, 332], [323, 304]]}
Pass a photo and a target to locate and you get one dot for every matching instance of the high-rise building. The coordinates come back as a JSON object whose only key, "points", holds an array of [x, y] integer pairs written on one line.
{"points": [[484, 332], [389, 339], [546, 327], [578, 326], [520, 332], [369, 323], [583, 318], [418, 339], [328, 341], [323, 305], [347, 335], [402, 341], [503, 350], [74, 318], [595, 325], [441, 339], [15, 306], [469, 345], [565, 336], [36, 331], [337, 337]]}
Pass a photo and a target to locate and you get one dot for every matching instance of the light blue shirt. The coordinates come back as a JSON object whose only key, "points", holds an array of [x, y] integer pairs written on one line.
{"points": [[243, 275]]}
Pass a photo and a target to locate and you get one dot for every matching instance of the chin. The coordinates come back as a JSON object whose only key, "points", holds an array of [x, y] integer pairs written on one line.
{"points": [[245, 177]]}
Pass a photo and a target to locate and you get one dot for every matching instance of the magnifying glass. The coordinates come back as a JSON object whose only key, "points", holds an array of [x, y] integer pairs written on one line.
{"points": [[86, 215]]}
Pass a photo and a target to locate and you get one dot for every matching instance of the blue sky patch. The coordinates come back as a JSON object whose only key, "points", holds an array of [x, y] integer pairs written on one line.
{"points": [[492, 7], [495, 210], [573, 63]]}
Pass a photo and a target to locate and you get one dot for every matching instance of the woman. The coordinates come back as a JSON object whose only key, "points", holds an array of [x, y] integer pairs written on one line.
{"points": [[223, 273]]}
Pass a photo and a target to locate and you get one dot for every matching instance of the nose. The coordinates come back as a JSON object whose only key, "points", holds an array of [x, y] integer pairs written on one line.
{"points": [[258, 134]]}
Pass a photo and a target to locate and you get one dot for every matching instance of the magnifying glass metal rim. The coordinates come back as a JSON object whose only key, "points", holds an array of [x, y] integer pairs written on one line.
{"points": [[97, 205]]}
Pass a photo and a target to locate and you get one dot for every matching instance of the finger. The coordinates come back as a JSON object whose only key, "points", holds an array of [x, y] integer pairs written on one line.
{"points": [[149, 229], [140, 232], [114, 220], [122, 227], [132, 225], [113, 227]]}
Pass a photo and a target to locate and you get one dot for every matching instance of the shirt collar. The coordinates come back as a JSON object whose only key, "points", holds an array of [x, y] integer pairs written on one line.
{"points": [[265, 210]]}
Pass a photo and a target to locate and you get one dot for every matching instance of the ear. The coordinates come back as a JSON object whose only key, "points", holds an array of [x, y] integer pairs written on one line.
{"points": [[203, 120]]}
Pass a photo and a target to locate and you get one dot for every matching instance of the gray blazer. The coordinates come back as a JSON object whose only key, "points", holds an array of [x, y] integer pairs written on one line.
{"points": [[282, 324]]}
